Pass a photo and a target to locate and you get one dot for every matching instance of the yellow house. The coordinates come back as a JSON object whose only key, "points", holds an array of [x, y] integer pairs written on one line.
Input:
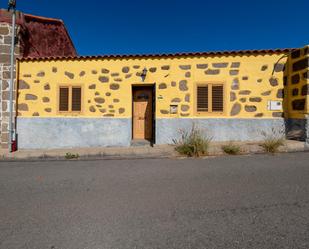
{"points": [[113, 100]]}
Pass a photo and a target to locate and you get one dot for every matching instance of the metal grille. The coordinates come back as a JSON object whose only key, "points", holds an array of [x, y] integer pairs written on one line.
{"points": [[64, 99], [202, 98], [217, 98], [76, 98]]}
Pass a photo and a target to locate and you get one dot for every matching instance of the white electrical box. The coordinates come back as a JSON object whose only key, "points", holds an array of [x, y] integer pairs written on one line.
{"points": [[275, 105]]}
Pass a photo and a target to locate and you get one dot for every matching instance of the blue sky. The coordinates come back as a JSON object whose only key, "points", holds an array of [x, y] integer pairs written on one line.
{"points": [[141, 26]]}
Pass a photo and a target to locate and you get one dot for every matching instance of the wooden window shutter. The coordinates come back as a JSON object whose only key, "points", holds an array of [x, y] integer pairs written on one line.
{"points": [[217, 98], [64, 99], [76, 98], [202, 98]]}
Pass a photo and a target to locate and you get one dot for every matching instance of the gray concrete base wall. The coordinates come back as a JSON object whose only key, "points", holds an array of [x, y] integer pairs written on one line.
{"points": [[49, 133], [298, 129], [219, 129]]}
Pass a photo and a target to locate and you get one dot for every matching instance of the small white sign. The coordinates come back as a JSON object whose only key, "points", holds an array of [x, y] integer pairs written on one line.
{"points": [[275, 105]]}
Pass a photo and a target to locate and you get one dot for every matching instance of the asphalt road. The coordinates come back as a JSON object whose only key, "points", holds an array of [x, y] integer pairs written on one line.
{"points": [[229, 202]]}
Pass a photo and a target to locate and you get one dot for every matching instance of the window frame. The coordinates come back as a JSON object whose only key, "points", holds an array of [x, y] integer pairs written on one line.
{"points": [[70, 87], [210, 112]]}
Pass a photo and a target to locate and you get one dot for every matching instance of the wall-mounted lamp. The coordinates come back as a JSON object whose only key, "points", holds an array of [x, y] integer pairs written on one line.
{"points": [[144, 74]]}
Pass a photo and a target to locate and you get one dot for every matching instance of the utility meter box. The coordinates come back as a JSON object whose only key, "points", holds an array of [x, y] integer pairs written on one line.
{"points": [[274, 105]]}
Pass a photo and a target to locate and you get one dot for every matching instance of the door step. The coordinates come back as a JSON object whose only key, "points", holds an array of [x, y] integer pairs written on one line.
{"points": [[140, 142]]}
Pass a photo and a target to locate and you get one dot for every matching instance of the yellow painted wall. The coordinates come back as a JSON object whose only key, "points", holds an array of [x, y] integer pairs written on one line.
{"points": [[250, 82]]}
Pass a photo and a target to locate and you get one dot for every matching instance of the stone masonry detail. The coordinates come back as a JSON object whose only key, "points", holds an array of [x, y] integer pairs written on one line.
{"points": [[5, 46]]}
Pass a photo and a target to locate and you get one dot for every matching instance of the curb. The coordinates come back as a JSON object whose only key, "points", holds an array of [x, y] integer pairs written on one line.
{"points": [[99, 157], [87, 158]]}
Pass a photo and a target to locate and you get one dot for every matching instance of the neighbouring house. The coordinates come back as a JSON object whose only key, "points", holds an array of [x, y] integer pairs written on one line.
{"points": [[65, 100], [36, 36]]}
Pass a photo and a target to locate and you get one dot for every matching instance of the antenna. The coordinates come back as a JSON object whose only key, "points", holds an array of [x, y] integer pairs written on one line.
{"points": [[12, 5]]}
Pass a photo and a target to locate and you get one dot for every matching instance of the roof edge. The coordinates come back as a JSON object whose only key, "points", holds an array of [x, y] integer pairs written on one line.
{"points": [[46, 19], [185, 54]]}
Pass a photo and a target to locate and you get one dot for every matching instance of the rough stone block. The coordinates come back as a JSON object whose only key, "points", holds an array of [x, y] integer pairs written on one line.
{"points": [[295, 54], [280, 93], [165, 67], [305, 90], [104, 71], [4, 58], [232, 96], [23, 85], [266, 93], [152, 69], [212, 71], [220, 65], [5, 85], [103, 79], [183, 85], [185, 67], [244, 92], [201, 66], [250, 108], [4, 106], [4, 137], [300, 65], [264, 68], [69, 75], [279, 67], [234, 72], [4, 127], [255, 99], [5, 49], [4, 30], [295, 92], [299, 104], [31, 97], [273, 81], [295, 79], [235, 65], [236, 109]]}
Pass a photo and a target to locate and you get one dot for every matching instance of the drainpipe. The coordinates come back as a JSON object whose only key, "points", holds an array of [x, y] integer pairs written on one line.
{"points": [[12, 6]]}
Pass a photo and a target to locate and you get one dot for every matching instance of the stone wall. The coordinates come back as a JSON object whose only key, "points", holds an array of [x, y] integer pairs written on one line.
{"points": [[5, 48], [250, 81], [298, 95], [299, 82]]}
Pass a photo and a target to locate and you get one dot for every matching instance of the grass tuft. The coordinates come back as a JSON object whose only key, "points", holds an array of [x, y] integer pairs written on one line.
{"points": [[70, 156], [273, 140], [193, 143], [231, 149]]}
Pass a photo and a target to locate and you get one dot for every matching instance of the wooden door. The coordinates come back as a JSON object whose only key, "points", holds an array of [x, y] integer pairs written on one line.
{"points": [[142, 113]]}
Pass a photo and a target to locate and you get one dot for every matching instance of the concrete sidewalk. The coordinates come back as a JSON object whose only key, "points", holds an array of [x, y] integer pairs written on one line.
{"points": [[135, 152]]}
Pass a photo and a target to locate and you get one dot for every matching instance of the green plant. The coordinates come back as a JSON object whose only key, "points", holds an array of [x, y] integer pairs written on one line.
{"points": [[70, 156], [231, 149], [273, 140], [192, 143]]}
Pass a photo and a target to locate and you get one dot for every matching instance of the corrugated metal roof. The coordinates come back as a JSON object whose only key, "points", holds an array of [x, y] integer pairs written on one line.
{"points": [[190, 54]]}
